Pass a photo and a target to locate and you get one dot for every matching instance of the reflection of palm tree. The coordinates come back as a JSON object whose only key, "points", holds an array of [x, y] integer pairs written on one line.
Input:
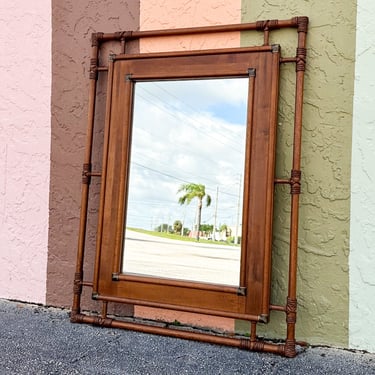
{"points": [[194, 191]]}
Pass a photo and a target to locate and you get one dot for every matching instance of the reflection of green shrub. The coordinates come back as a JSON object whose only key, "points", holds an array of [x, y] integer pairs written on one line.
{"points": [[232, 238], [177, 226]]}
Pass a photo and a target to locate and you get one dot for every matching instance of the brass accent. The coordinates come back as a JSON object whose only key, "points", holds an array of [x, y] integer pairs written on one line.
{"points": [[251, 72], [102, 322], [290, 349], [123, 35], [267, 25], [241, 291], [302, 23], [93, 69], [295, 182], [301, 59], [77, 287], [291, 310], [86, 178]]}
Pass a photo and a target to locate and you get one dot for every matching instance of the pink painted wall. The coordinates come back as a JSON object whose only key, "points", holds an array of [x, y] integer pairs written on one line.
{"points": [[171, 14], [25, 116]]}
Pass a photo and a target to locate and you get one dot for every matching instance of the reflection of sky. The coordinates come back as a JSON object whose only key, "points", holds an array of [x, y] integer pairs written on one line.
{"points": [[187, 131], [233, 114]]}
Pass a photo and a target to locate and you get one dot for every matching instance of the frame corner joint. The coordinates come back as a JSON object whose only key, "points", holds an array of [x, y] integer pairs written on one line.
{"points": [[251, 72], [242, 291], [95, 296], [96, 39], [263, 318], [275, 48]]}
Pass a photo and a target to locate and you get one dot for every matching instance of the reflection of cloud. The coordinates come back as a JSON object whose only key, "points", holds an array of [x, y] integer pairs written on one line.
{"points": [[184, 132]]}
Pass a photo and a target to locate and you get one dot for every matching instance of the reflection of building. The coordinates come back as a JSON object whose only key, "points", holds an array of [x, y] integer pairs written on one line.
{"points": [[43, 122], [194, 233]]}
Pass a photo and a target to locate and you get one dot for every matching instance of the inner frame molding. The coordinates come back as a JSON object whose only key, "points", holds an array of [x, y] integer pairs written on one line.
{"points": [[251, 299]]}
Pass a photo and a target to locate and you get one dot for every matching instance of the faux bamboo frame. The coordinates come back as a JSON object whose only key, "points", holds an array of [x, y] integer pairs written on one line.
{"points": [[288, 348]]}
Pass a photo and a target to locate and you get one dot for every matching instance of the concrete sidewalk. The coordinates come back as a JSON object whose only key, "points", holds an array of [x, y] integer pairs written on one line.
{"points": [[39, 340]]}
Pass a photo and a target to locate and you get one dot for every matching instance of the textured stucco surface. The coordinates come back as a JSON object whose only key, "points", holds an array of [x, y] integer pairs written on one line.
{"points": [[324, 215], [171, 14], [362, 220], [25, 89], [72, 23]]}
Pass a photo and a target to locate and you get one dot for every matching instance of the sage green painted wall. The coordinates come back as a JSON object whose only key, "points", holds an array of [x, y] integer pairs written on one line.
{"points": [[323, 277]]}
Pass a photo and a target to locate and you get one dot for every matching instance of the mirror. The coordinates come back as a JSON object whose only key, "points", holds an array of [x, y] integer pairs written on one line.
{"points": [[174, 121], [185, 192]]}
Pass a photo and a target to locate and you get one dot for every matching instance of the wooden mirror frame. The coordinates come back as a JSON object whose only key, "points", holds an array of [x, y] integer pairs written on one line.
{"points": [[251, 299]]}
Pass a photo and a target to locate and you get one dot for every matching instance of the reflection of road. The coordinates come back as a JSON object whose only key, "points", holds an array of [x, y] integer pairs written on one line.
{"points": [[156, 256]]}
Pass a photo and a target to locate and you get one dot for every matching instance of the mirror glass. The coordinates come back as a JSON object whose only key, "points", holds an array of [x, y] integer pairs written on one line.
{"points": [[184, 204]]}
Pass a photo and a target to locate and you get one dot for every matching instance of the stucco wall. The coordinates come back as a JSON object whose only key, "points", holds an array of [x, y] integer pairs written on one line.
{"points": [[362, 223], [171, 14], [73, 22], [324, 216], [24, 147]]}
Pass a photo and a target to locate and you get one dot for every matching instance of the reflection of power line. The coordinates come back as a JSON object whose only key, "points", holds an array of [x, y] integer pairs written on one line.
{"points": [[171, 176], [186, 105], [191, 176], [203, 160], [189, 119], [226, 193], [159, 172], [130, 215], [181, 146], [153, 202]]}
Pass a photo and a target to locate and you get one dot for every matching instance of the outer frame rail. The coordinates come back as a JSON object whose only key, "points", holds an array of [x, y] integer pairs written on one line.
{"points": [[288, 348]]}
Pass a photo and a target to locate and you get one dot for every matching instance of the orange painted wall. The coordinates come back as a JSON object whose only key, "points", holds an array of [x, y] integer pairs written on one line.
{"points": [[155, 15]]}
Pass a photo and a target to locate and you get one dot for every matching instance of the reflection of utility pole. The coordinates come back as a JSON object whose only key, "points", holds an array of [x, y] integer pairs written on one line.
{"points": [[196, 222], [168, 221], [215, 216], [183, 221], [238, 210]]}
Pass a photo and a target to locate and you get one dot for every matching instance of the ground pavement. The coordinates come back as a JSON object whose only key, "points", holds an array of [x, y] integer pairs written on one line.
{"points": [[40, 340]]}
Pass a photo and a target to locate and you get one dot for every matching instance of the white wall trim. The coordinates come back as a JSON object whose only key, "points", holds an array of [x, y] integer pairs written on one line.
{"points": [[362, 218]]}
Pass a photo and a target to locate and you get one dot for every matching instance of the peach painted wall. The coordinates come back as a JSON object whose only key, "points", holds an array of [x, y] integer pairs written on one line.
{"points": [[172, 14], [166, 14], [25, 116]]}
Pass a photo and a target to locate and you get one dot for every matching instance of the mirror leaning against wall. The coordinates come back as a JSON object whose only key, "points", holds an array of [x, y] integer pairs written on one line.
{"points": [[186, 171], [187, 181]]}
